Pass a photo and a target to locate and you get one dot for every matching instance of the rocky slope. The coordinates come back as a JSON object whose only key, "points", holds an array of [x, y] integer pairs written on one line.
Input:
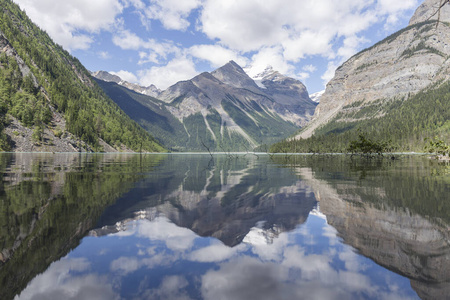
{"points": [[403, 64], [222, 110]]}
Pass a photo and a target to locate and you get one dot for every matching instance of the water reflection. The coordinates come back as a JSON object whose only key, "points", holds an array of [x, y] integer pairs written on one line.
{"points": [[48, 203], [186, 227], [397, 218]]}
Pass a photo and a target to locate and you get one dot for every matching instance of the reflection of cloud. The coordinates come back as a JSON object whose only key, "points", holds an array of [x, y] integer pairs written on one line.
{"points": [[172, 287], [176, 238], [285, 270], [59, 282], [125, 265], [216, 253], [249, 278], [274, 251], [245, 278], [351, 260], [312, 266]]}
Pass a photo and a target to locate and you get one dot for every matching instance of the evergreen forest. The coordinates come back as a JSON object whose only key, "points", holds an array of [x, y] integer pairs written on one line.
{"points": [[408, 124], [39, 78]]}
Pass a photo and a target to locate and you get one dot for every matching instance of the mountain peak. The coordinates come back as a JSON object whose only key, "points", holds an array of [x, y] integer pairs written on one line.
{"points": [[105, 76], [429, 10], [234, 75]]}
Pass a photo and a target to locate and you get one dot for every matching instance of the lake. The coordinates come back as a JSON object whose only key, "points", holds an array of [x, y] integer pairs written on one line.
{"points": [[178, 226]]}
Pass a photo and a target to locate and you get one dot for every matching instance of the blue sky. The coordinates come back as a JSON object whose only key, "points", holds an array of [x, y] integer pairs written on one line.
{"points": [[164, 41]]}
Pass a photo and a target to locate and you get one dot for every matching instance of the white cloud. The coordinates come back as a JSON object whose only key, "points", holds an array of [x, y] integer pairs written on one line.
{"points": [[350, 47], [127, 40], [329, 73], [64, 19], [164, 76], [314, 29], [303, 76], [270, 56], [155, 52], [251, 32], [104, 55], [309, 68], [216, 55], [172, 14]]}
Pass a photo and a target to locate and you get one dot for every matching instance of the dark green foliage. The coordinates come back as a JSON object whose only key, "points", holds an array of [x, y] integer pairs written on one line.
{"points": [[407, 123], [438, 147], [421, 47], [89, 113], [366, 146]]}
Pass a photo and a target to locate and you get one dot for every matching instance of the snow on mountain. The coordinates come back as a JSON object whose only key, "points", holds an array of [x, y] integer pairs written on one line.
{"points": [[316, 96]]}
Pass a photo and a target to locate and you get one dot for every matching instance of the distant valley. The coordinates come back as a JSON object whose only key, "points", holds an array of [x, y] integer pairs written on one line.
{"points": [[224, 110]]}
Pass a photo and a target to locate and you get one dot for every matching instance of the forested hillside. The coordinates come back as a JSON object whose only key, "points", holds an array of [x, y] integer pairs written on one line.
{"points": [[407, 125], [41, 83]]}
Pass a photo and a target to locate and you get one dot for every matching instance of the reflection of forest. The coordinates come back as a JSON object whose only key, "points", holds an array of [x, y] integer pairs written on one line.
{"points": [[224, 198], [396, 213], [48, 203]]}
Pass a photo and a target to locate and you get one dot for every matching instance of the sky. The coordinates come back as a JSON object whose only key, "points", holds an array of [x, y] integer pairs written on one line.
{"points": [[162, 42]]}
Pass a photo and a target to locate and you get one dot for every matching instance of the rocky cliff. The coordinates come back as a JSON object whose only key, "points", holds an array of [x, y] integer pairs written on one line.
{"points": [[403, 64]]}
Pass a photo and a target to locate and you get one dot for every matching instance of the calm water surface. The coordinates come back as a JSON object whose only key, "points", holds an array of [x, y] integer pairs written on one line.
{"points": [[242, 227]]}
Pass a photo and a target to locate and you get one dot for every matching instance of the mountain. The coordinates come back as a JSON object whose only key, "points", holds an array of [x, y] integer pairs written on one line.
{"points": [[150, 90], [49, 101], [224, 110], [395, 89]]}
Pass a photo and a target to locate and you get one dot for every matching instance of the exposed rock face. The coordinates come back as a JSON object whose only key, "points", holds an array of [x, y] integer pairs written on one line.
{"points": [[282, 95], [402, 64], [151, 90], [226, 109], [429, 11], [232, 74], [105, 76]]}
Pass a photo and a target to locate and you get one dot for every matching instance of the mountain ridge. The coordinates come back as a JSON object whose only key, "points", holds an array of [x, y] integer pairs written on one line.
{"points": [[233, 112]]}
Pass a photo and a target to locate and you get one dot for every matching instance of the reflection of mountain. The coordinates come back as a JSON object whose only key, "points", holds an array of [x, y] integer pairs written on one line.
{"points": [[49, 202], [225, 200], [369, 216]]}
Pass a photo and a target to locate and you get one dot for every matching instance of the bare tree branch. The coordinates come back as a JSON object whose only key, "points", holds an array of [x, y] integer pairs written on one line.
{"points": [[438, 11]]}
